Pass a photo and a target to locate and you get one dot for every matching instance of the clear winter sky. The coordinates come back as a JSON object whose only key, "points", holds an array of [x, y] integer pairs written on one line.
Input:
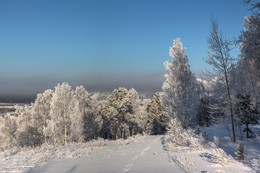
{"points": [[104, 44]]}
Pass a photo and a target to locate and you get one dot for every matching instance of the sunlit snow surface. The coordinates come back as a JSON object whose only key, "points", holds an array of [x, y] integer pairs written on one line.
{"points": [[251, 146], [141, 155], [144, 154]]}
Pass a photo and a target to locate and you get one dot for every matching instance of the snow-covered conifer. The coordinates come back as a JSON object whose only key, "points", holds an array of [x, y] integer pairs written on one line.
{"points": [[120, 113], [157, 119], [240, 152], [180, 90], [203, 114], [246, 112]]}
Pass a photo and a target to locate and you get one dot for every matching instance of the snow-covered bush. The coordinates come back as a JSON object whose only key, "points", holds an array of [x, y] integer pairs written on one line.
{"points": [[8, 128], [217, 156], [205, 137], [178, 138], [216, 141], [30, 137]]}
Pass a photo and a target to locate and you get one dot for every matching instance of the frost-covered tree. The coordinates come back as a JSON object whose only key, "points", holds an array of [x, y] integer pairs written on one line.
{"points": [[250, 37], [113, 112], [41, 111], [58, 128], [8, 128], [180, 91], [27, 133], [120, 113], [133, 115], [221, 61], [157, 121], [176, 134], [92, 119], [250, 51], [79, 105], [24, 118]]}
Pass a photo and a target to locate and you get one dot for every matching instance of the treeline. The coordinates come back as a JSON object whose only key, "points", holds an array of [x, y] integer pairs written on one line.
{"points": [[65, 115]]}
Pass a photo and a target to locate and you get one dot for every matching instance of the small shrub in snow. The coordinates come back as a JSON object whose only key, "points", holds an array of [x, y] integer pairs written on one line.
{"points": [[240, 152], [176, 134], [221, 156], [185, 163], [216, 141], [179, 139], [217, 156], [205, 137]]}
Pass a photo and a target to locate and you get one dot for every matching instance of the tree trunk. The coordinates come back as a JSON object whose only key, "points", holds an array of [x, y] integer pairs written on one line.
{"points": [[231, 108], [115, 132], [247, 131], [65, 135]]}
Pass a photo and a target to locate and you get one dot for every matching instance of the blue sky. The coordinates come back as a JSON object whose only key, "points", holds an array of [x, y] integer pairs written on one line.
{"points": [[104, 43]]}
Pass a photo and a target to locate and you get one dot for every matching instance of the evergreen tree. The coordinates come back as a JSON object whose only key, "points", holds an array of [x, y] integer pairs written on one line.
{"points": [[157, 119], [240, 152], [121, 113], [246, 112], [180, 90], [203, 114]]}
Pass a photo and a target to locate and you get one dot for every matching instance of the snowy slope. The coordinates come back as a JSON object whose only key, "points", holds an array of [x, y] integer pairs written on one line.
{"points": [[251, 146], [146, 156]]}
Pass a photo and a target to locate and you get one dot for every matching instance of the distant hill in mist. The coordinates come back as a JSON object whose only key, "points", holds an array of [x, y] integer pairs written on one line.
{"points": [[17, 98]]}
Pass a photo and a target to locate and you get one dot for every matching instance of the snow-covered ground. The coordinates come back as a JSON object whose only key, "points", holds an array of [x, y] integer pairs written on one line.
{"points": [[146, 154], [23, 160], [251, 146]]}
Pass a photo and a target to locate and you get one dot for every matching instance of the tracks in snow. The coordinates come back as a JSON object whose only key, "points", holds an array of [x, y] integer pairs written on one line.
{"points": [[130, 165]]}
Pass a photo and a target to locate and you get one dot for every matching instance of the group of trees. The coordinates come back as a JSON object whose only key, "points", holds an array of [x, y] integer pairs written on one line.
{"points": [[236, 87], [233, 97], [65, 115]]}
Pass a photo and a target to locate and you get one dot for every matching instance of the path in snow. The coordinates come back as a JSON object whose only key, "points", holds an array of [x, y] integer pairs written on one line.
{"points": [[146, 156]]}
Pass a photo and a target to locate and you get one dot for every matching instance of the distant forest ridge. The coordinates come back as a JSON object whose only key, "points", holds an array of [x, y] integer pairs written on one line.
{"points": [[17, 98]]}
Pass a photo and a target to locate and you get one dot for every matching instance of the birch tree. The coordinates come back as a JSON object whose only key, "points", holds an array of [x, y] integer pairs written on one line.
{"points": [[60, 109]]}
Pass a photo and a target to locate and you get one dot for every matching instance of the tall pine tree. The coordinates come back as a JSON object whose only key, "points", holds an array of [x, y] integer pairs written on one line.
{"points": [[180, 90]]}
